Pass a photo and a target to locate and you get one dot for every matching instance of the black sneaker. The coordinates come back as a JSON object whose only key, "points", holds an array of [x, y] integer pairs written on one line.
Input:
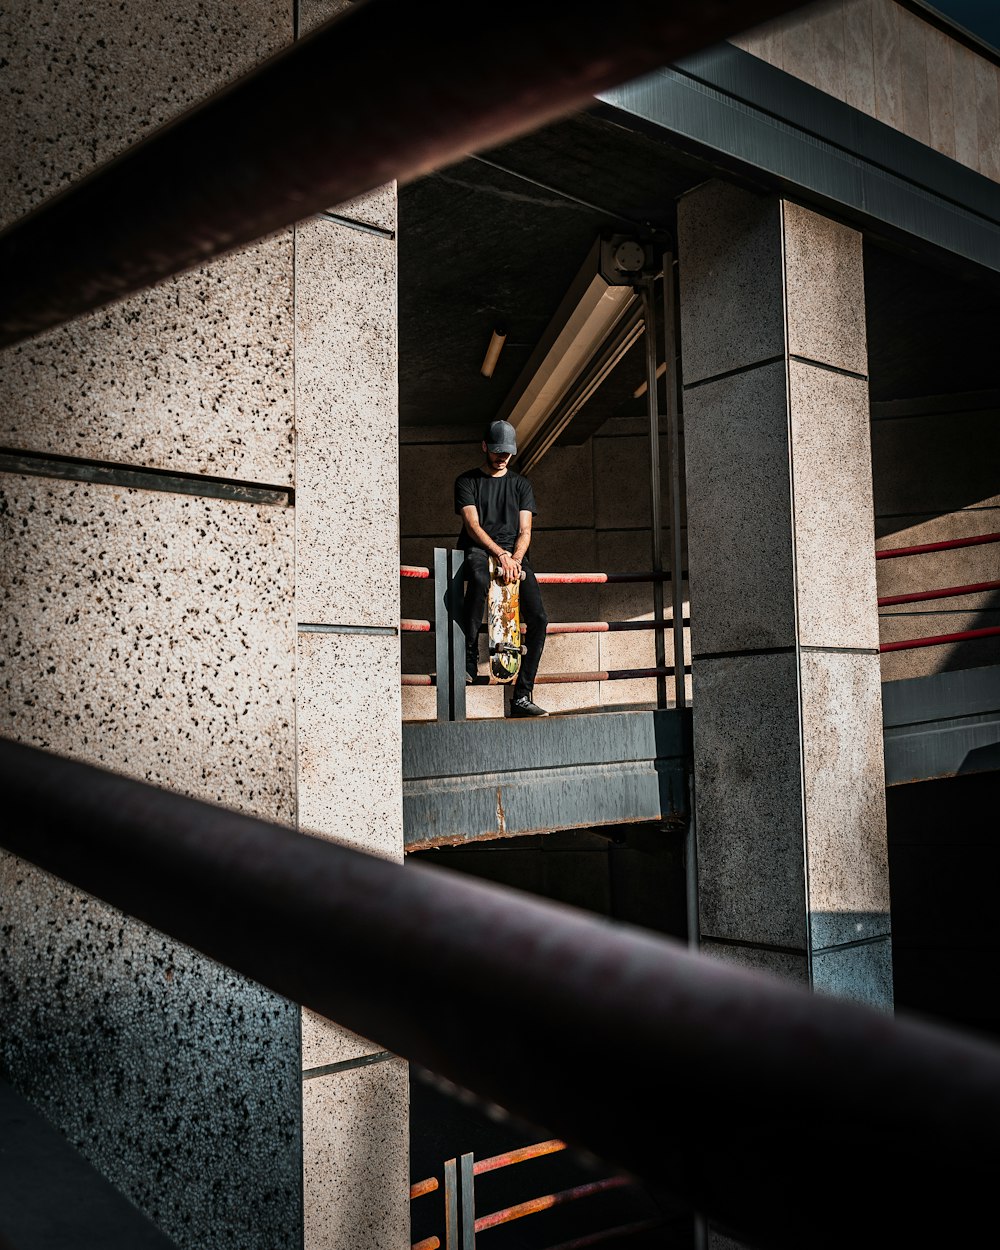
{"points": [[471, 664], [522, 705]]}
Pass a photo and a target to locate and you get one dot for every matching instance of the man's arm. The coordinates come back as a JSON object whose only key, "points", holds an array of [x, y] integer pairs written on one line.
{"points": [[510, 566], [523, 537]]}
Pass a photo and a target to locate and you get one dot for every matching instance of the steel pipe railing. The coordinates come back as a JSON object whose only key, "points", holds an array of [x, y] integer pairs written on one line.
{"points": [[606, 674], [599, 579], [522, 1154], [938, 640], [724, 1073], [948, 544], [534, 1206], [944, 592], [306, 131], [449, 679]]}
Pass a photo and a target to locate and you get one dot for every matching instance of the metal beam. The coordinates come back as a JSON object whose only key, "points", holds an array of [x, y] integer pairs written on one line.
{"points": [[705, 1078], [391, 89], [741, 115], [468, 782]]}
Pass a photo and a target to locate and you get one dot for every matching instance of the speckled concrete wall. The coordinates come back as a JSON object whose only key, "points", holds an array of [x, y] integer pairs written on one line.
{"points": [[789, 778], [152, 628], [888, 62]]}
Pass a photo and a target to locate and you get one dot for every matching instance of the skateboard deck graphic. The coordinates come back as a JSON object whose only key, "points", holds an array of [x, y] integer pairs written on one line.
{"points": [[504, 626]]}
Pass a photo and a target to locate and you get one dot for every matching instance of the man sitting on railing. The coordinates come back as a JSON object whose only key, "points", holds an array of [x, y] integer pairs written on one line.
{"points": [[496, 506]]}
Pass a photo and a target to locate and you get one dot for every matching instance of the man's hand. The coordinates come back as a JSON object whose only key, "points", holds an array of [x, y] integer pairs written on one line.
{"points": [[509, 567]]}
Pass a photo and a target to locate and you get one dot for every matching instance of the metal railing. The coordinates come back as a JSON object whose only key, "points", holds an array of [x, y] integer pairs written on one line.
{"points": [[449, 676], [943, 592], [462, 1225], [701, 1077]]}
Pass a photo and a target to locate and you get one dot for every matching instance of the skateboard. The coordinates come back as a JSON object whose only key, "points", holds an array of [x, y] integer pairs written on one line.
{"points": [[504, 626]]}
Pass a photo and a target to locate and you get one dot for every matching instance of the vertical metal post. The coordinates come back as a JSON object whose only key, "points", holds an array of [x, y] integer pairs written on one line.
{"points": [[676, 487], [442, 634], [451, 1226], [468, 1204], [649, 318], [456, 562]]}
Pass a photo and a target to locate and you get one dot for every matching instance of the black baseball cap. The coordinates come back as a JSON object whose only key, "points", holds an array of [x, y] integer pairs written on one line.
{"points": [[500, 438]]}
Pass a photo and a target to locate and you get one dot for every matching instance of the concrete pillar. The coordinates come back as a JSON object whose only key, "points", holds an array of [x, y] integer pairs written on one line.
{"points": [[789, 778], [354, 1095]]}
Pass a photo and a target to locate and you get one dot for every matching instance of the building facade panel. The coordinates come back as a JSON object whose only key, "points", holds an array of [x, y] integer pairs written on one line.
{"points": [[349, 766], [730, 284], [193, 375], [748, 787], [739, 509], [844, 774], [152, 633], [357, 1192], [834, 557], [347, 551], [898, 68]]}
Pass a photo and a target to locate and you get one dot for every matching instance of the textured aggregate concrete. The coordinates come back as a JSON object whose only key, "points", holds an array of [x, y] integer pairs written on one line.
{"points": [[346, 427], [151, 632], [175, 1077], [356, 1138]]}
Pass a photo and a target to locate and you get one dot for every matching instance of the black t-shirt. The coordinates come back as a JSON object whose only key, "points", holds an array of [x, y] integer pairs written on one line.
{"points": [[498, 500]]}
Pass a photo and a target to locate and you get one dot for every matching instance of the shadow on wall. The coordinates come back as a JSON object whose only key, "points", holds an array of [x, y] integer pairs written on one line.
{"points": [[934, 467]]}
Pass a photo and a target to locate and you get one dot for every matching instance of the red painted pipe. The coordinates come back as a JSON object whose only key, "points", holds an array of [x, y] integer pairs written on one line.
{"points": [[602, 627], [413, 570], [946, 592], [947, 545], [611, 674], [597, 579], [548, 1201], [517, 1156], [410, 625], [911, 644]]}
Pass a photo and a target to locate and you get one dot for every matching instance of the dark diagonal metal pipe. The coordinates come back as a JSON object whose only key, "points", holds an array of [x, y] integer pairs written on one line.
{"points": [[791, 1119], [391, 90]]}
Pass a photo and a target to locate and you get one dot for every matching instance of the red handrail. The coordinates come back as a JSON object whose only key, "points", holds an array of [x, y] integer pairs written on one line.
{"points": [[521, 1155], [946, 545], [608, 674], [426, 1186], [945, 592], [548, 1201], [410, 625], [596, 579], [414, 570], [936, 640]]}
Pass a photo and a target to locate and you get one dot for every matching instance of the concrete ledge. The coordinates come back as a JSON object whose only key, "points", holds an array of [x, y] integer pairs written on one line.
{"points": [[943, 725], [472, 780]]}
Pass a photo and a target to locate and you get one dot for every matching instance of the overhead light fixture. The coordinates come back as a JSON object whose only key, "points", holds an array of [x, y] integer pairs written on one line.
{"points": [[597, 322], [497, 341]]}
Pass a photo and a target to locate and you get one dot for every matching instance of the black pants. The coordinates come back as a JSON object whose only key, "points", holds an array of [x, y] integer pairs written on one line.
{"points": [[477, 581]]}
